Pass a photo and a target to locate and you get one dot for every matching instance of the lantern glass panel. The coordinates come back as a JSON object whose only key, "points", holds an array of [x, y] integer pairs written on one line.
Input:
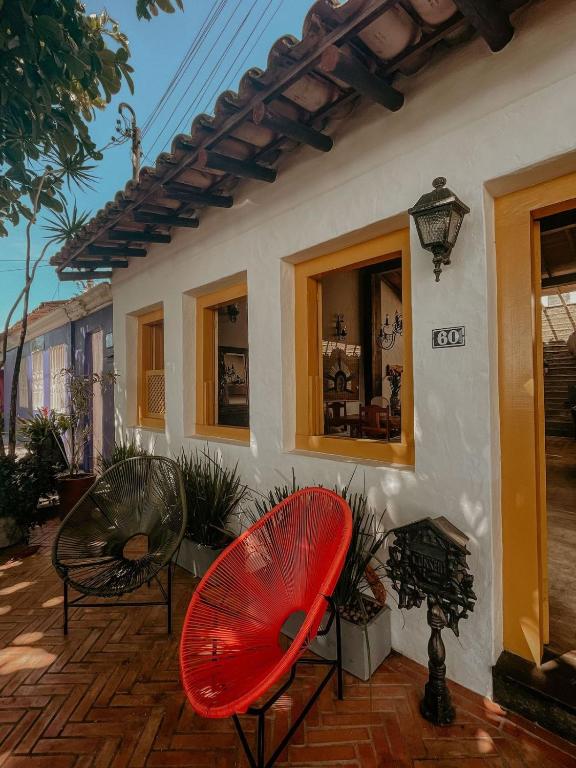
{"points": [[433, 227], [456, 219]]}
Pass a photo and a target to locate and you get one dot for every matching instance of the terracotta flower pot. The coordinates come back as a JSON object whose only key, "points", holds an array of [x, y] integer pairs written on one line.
{"points": [[71, 490]]}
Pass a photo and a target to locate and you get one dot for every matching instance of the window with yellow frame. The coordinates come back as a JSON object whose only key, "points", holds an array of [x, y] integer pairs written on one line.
{"points": [[151, 379], [354, 392], [222, 391]]}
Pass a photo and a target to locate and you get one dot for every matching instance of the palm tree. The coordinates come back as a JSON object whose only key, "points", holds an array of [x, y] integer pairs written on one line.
{"points": [[62, 173]]}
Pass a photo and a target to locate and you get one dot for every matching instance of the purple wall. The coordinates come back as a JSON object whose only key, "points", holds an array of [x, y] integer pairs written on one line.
{"points": [[77, 337], [82, 330]]}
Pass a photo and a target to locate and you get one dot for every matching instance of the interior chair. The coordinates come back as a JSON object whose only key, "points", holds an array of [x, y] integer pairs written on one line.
{"points": [[335, 412], [138, 504], [230, 650], [375, 421]]}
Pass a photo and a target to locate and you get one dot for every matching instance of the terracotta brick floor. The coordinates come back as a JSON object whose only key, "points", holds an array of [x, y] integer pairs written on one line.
{"points": [[109, 695]]}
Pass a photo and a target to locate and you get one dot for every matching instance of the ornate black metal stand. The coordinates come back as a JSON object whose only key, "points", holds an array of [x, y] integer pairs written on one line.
{"points": [[82, 600], [428, 561], [258, 760], [436, 705]]}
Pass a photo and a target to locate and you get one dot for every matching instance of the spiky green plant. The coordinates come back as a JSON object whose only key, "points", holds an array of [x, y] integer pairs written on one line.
{"points": [[265, 502], [215, 495], [361, 564], [362, 568], [125, 448]]}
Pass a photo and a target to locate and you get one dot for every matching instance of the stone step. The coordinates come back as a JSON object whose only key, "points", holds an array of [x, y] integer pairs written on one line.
{"points": [[543, 694]]}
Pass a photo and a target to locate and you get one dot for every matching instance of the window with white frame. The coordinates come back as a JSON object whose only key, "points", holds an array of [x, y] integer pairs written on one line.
{"points": [[37, 379], [23, 384], [58, 363]]}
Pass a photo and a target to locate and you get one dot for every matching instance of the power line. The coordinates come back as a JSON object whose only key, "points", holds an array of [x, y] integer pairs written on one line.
{"points": [[23, 269], [211, 76], [243, 62], [191, 82], [186, 62]]}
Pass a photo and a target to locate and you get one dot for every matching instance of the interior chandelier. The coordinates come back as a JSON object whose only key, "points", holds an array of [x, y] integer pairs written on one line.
{"points": [[389, 331]]}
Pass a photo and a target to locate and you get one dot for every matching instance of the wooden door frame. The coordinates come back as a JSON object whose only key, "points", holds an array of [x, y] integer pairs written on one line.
{"points": [[520, 365]]}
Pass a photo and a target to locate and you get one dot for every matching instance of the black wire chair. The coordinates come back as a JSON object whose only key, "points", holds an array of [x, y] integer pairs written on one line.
{"points": [[137, 499]]}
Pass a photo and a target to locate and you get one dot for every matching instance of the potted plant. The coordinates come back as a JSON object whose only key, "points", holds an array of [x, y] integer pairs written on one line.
{"points": [[19, 493], [126, 448], [394, 376], [365, 617], [41, 436], [76, 429], [214, 495]]}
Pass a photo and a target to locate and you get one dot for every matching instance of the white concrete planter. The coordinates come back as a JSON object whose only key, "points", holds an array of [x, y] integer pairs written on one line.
{"points": [[355, 641], [10, 532], [196, 558]]}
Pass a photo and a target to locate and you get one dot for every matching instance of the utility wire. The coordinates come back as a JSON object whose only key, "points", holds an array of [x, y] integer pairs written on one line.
{"points": [[210, 79], [23, 269], [238, 69], [185, 64], [206, 58], [242, 64]]}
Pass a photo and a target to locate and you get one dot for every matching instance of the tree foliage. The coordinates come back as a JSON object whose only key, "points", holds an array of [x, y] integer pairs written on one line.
{"points": [[145, 9], [56, 68]]}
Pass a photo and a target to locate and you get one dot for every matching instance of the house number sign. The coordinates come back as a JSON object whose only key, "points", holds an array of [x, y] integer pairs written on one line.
{"points": [[449, 337]]}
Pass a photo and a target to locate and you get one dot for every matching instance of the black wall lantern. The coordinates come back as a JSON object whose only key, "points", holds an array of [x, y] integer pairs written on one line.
{"points": [[438, 216], [427, 561]]}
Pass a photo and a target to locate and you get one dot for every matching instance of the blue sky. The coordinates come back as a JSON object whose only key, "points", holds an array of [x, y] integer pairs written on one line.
{"points": [[240, 37]]}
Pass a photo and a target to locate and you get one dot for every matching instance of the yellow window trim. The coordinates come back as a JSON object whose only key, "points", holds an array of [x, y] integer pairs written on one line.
{"points": [[205, 364], [522, 442], [149, 318], [309, 374]]}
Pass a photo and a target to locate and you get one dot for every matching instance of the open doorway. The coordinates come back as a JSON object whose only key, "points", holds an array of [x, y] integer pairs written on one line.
{"points": [[558, 268]]}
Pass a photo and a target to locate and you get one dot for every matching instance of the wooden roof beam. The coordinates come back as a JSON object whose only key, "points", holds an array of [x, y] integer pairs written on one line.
{"points": [[110, 251], [138, 237], [99, 263], [144, 217], [343, 67], [75, 276], [294, 130], [241, 168], [187, 194], [489, 19]]}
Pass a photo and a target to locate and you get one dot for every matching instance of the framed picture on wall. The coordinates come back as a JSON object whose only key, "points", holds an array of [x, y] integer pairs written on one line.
{"points": [[233, 386]]}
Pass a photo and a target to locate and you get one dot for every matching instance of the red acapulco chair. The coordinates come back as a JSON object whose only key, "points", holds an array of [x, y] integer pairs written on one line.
{"points": [[230, 652]]}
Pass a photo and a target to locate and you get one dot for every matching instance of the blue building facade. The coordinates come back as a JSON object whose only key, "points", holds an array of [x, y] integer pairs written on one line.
{"points": [[75, 333]]}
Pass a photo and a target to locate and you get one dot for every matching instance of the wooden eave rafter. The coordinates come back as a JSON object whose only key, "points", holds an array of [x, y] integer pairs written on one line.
{"points": [[205, 166]]}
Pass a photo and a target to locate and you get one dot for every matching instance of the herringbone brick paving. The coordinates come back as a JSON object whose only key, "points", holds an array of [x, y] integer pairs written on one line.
{"points": [[108, 696]]}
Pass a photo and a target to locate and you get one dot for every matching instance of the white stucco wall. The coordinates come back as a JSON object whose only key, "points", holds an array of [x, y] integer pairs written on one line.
{"points": [[473, 117]]}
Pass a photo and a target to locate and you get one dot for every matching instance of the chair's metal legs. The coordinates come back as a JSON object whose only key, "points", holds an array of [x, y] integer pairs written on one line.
{"points": [[261, 739], [169, 598], [65, 606], [339, 672], [244, 740], [258, 760], [166, 600]]}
